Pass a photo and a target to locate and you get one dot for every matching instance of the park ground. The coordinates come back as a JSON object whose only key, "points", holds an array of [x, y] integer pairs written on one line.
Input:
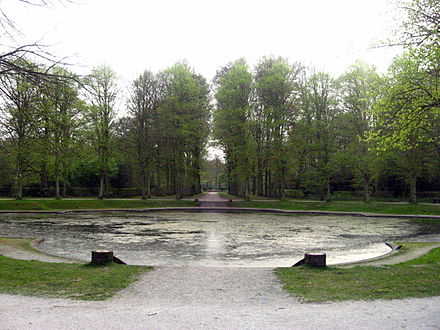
{"points": [[214, 298]]}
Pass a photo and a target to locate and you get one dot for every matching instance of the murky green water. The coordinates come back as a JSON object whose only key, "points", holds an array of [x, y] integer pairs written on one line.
{"points": [[214, 239]]}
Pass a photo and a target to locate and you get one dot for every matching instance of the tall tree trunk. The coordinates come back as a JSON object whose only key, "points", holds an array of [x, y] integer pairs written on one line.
{"points": [[148, 181], [143, 186], [57, 188], [322, 190], [57, 179], [43, 173], [20, 185], [366, 196], [246, 192], [413, 188], [328, 196], [101, 187]]}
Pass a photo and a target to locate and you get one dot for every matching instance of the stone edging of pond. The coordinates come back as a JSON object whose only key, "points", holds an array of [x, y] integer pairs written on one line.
{"points": [[394, 249], [226, 210], [35, 244]]}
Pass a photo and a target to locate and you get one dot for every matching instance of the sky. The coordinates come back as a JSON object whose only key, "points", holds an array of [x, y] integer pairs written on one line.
{"points": [[134, 35]]}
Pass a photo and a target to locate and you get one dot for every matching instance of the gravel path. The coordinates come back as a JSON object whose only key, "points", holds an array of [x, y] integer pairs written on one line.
{"points": [[213, 298], [210, 298]]}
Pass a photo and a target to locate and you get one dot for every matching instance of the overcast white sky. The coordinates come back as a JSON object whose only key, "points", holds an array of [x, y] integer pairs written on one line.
{"points": [[134, 35]]}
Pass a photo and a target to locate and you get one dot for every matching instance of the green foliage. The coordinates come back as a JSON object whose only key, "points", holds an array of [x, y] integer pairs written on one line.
{"points": [[282, 127], [102, 92], [274, 113], [230, 129], [183, 118], [407, 114], [292, 193]]}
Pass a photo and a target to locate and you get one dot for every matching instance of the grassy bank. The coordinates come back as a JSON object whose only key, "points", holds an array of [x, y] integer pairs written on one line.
{"points": [[84, 282], [94, 204], [75, 204], [416, 278], [383, 208]]}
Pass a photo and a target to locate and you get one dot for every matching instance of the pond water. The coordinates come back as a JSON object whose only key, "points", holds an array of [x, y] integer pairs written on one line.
{"points": [[215, 239]]}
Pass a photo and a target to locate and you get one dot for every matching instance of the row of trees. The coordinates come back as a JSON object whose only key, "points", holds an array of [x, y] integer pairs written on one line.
{"points": [[283, 128], [65, 126], [282, 125]]}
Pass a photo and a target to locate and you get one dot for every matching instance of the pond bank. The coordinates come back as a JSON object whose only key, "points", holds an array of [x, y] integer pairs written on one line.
{"points": [[226, 210]]}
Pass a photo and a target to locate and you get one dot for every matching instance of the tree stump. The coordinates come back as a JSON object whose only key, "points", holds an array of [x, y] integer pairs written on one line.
{"points": [[102, 257], [315, 259]]}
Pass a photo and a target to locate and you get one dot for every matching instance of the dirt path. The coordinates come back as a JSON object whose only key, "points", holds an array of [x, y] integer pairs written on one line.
{"points": [[214, 298], [212, 196], [211, 298], [212, 199]]}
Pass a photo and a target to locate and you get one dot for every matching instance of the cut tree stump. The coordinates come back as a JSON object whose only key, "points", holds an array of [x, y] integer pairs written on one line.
{"points": [[102, 257], [315, 259], [312, 259]]}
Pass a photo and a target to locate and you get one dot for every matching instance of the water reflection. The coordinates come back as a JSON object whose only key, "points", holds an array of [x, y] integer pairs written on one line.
{"points": [[215, 239]]}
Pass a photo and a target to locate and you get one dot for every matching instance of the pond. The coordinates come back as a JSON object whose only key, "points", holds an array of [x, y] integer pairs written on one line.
{"points": [[215, 239]]}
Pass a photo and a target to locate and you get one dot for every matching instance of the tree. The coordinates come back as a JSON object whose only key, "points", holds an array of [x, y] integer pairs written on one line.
{"points": [[143, 105], [19, 123], [12, 53], [273, 116], [102, 92], [420, 27], [407, 113], [183, 119], [357, 88], [61, 108], [419, 68], [319, 111], [233, 85]]}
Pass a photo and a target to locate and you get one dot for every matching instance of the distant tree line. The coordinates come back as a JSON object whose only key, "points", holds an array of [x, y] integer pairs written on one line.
{"points": [[286, 130], [66, 132], [282, 125]]}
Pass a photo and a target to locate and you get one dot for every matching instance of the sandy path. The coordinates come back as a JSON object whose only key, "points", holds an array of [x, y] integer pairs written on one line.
{"points": [[212, 196], [213, 298]]}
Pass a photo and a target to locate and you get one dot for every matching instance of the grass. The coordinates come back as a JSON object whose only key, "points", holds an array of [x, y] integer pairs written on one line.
{"points": [[416, 278], [84, 282], [94, 204], [383, 208], [75, 204]]}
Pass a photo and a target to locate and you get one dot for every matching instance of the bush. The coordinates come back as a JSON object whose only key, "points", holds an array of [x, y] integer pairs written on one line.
{"points": [[293, 193], [428, 194], [346, 195], [82, 192], [125, 192]]}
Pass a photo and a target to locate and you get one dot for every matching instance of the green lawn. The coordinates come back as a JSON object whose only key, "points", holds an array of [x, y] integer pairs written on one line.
{"points": [[84, 282], [75, 204], [384, 208], [92, 204], [416, 278]]}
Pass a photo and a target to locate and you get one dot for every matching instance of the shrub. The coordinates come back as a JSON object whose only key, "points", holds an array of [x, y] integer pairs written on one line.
{"points": [[293, 193]]}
